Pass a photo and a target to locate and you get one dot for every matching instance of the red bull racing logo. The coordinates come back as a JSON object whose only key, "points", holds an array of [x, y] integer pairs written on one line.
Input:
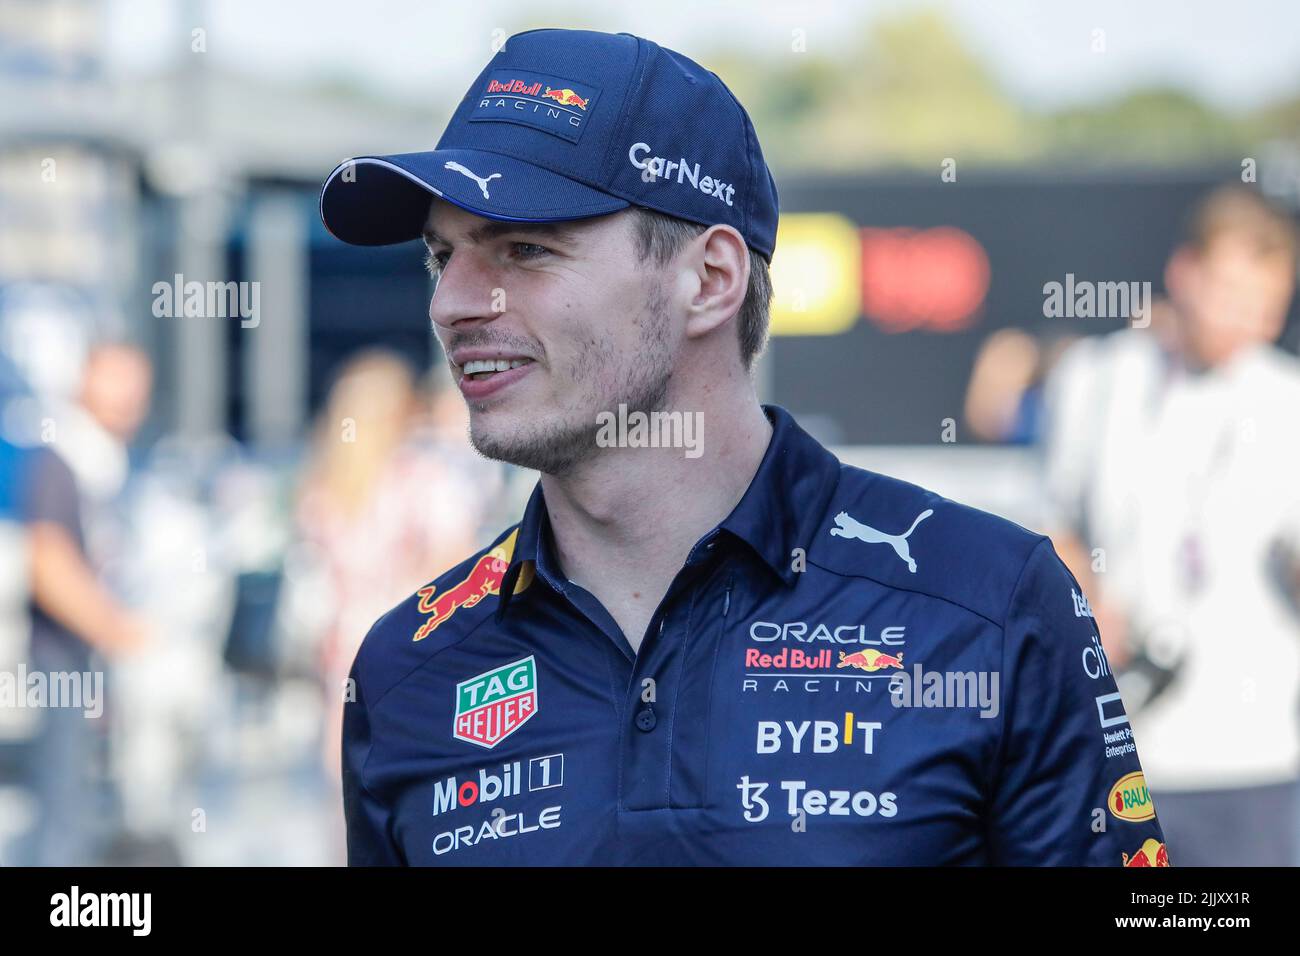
{"points": [[566, 97], [846, 664], [514, 86], [553, 104], [871, 660]]}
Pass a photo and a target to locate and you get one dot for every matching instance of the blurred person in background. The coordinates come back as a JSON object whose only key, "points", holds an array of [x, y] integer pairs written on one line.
{"points": [[388, 501], [71, 487], [1174, 479], [1004, 400]]}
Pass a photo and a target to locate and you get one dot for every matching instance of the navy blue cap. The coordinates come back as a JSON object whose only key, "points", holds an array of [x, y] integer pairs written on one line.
{"points": [[568, 124]]}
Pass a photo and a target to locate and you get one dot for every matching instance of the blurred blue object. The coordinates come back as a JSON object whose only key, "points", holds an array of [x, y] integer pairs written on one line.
{"points": [[10, 466]]}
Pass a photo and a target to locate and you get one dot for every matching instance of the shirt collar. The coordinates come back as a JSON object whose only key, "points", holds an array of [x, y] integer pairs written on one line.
{"points": [[786, 502], [779, 512]]}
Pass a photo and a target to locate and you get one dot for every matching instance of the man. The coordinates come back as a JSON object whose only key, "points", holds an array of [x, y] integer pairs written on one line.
{"points": [[1175, 479], [684, 652], [70, 493]]}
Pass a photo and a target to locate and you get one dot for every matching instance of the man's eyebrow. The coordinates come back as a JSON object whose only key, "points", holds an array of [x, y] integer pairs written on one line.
{"points": [[494, 229]]}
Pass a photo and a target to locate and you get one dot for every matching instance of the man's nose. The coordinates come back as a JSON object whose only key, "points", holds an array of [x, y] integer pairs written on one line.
{"points": [[467, 293]]}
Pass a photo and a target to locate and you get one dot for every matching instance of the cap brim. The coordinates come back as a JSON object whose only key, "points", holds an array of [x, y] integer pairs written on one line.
{"points": [[380, 200]]}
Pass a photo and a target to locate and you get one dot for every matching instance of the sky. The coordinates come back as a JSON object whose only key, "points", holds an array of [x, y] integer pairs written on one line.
{"points": [[1236, 54]]}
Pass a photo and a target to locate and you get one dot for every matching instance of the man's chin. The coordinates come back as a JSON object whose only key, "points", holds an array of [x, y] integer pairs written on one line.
{"points": [[547, 446]]}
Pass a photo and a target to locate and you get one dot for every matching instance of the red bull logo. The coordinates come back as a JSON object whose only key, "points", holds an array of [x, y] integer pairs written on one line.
{"points": [[1152, 853], [565, 97], [870, 660], [516, 87], [792, 658], [484, 579]]}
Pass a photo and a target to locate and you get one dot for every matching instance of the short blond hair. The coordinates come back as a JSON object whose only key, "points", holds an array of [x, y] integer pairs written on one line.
{"points": [[1239, 211], [660, 237]]}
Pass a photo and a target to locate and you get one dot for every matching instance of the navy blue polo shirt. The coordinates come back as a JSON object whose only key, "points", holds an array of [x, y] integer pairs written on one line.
{"points": [[847, 670]]}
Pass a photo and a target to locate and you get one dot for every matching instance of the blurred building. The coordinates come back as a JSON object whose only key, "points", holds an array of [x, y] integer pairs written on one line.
{"points": [[110, 184]]}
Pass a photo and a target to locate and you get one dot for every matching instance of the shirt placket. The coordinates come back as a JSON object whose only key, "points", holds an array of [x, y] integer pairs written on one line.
{"points": [[653, 704]]}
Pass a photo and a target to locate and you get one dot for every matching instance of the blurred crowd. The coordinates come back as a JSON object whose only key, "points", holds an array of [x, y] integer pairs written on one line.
{"points": [[210, 601], [219, 595], [1171, 476]]}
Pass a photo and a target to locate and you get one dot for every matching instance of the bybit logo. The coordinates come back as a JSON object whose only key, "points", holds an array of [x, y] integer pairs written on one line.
{"points": [[827, 736]]}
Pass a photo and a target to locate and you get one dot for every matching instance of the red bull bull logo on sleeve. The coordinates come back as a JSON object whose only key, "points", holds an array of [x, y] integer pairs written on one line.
{"points": [[484, 579]]}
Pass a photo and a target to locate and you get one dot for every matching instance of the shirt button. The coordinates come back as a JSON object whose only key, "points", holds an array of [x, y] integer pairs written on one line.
{"points": [[646, 720]]}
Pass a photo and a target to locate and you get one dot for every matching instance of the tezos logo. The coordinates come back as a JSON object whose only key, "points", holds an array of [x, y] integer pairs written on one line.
{"points": [[835, 803]]}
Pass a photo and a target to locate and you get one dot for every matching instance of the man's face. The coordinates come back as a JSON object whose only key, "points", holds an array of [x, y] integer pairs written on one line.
{"points": [[1228, 296], [115, 389], [581, 320]]}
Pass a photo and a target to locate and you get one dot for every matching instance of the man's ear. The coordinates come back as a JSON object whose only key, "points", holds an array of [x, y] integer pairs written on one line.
{"points": [[719, 259]]}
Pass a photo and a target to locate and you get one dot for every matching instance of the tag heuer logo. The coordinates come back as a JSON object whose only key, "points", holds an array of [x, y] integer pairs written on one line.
{"points": [[496, 703]]}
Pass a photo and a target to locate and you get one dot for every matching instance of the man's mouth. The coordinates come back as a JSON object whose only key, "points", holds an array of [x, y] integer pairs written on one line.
{"points": [[480, 370]]}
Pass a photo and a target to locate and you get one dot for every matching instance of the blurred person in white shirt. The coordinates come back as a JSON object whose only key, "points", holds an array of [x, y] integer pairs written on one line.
{"points": [[1173, 474]]}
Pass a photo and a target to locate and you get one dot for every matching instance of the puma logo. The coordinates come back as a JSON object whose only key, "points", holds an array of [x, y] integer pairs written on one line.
{"points": [[482, 183], [850, 528]]}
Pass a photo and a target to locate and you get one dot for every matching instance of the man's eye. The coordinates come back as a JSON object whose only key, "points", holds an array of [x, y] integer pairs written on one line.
{"points": [[436, 262], [530, 250]]}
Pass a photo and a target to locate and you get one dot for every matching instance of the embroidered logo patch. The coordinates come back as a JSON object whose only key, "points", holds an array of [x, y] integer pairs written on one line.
{"points": [[543, 101]]}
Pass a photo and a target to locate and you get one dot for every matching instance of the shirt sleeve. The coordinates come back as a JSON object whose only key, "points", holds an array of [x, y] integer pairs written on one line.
{"points": [[49, 493], [1067, 788], [369, 837]]}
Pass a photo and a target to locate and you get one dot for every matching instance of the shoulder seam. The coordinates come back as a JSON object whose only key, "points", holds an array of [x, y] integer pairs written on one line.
{"points": [[899, 587], [453, 643], [1020, 577], [497, 538]]}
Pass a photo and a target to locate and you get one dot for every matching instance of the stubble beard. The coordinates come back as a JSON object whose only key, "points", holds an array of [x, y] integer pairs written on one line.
{"points": [[559, 445]]}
